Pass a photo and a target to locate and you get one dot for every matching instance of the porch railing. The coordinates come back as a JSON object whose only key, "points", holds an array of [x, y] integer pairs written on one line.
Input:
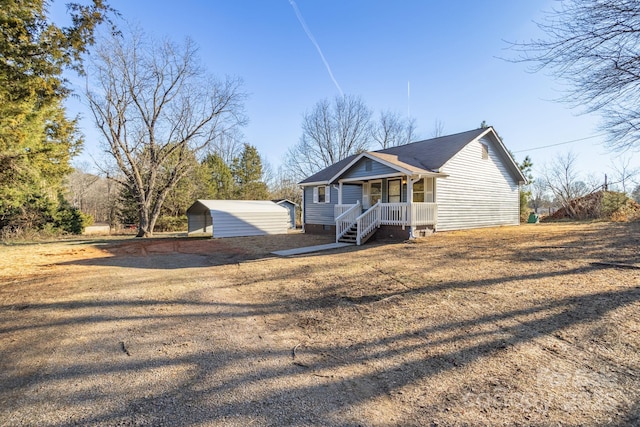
{"points": [[340, 209], [367, 222], [394, 214], [401, 214], [346, 219], [424, 213]]}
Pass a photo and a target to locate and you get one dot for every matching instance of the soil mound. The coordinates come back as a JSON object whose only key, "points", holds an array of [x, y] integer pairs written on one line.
{"points": [[607, 205]]}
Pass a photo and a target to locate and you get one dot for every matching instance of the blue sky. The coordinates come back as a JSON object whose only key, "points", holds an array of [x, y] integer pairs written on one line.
{"points": [[447, 52]]}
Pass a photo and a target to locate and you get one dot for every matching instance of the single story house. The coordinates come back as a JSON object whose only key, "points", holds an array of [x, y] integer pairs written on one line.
{"points": [[291, 207], [236, 218], [465, 180]]}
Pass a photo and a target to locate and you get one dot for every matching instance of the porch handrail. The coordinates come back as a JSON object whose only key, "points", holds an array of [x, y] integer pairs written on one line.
{"points": [[367, 222], [340, 209], [345, 220]]}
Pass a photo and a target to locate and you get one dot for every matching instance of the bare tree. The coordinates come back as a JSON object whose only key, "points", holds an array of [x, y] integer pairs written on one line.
{"points": [[228, 145], [332, 131], [155, 108], [624, 174], [392, 130], [438, 128], [563, 180], [284, 186], [594, 46], [635, 194], [539, 196]]}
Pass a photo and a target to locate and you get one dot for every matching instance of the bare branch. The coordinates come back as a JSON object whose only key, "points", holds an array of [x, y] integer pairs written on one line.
{"points": [[594, 46], [156, 108]]}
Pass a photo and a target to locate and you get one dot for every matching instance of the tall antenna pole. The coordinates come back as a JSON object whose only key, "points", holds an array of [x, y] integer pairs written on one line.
{"points": [[408, 100]]}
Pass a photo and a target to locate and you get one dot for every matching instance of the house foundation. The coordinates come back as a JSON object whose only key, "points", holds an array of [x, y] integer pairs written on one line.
{"points": [[320, 229]]}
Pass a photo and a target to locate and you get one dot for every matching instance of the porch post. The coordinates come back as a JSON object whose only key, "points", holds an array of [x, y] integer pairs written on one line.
{"points": [[409, 204], [340, 193]]}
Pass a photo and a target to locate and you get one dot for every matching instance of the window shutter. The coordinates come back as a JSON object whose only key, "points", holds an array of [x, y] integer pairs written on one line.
{"points": [[315, 194], [327, 194]]}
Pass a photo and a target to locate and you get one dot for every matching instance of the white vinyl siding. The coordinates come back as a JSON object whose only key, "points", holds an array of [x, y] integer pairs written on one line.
{"points": [[478, 192], [226, 224], [234, 218]]}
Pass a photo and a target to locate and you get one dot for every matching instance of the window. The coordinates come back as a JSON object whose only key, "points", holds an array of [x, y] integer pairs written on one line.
{"points": [[368, 165], [322, 194], [428, 189], [485, 151], [418, 191], [394, 187], [375, 192]]}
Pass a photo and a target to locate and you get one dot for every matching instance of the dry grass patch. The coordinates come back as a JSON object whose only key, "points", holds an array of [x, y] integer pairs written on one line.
{"points": [[527, 325]]}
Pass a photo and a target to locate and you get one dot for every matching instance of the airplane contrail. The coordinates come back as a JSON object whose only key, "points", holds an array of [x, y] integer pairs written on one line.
{"points": [[315, 43]]}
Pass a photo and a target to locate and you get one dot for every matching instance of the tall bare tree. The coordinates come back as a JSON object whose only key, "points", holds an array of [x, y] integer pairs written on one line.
{"points": [[594, 46], [438, 128], [156, 107], [228, 145], [393, 129], [624, 174], [562, 178], [332, 131]]}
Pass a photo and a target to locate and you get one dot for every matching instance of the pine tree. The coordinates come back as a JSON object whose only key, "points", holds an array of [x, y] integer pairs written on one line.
{"points": [[37, 140], [247, 171]]}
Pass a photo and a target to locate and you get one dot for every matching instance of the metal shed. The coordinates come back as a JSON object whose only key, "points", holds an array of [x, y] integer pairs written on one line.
{"points": [[235, 218], [291, 207]]}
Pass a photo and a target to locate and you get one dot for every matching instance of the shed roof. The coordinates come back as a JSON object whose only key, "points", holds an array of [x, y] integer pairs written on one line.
{"points": [[282, 201], [237, 206]]}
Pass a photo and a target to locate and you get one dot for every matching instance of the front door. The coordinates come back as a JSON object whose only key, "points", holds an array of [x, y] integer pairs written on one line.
{"points": [[371, 193], [394, 190]]}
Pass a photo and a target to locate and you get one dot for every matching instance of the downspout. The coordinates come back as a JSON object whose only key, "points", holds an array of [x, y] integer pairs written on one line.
{"points": [[302, 211]]}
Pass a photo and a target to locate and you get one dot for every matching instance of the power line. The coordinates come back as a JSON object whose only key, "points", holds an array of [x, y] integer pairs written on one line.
{"points": [[561, 143]]}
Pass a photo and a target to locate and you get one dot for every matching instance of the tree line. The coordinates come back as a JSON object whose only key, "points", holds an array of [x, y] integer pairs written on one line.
{"points": [[212, 177], [171, 130]]}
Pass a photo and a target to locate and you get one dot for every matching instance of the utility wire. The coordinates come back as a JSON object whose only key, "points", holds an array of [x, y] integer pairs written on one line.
{"points": [[561, 143]]}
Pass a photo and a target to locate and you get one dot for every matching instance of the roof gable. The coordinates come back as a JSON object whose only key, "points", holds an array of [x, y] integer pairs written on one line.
{"points": [[432, 154], [323, 176], [421, 157]]}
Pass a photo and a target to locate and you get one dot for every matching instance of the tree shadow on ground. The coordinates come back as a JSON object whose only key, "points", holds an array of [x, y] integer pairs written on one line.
{"points": [[228, 383]]}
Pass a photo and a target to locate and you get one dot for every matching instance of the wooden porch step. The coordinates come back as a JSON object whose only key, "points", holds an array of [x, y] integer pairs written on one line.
{"points": [[351, 236]]}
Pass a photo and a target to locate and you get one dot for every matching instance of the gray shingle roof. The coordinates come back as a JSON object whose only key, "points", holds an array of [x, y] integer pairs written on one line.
{"points": [[429, 154], [327, 173], [432, 154]]}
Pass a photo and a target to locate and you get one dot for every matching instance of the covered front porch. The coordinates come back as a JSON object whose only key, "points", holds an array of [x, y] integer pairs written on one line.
{"points": [[399, 201]]}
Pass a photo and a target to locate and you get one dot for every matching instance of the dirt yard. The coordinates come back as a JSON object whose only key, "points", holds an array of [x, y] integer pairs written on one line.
{"points": [[530, 325]]}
